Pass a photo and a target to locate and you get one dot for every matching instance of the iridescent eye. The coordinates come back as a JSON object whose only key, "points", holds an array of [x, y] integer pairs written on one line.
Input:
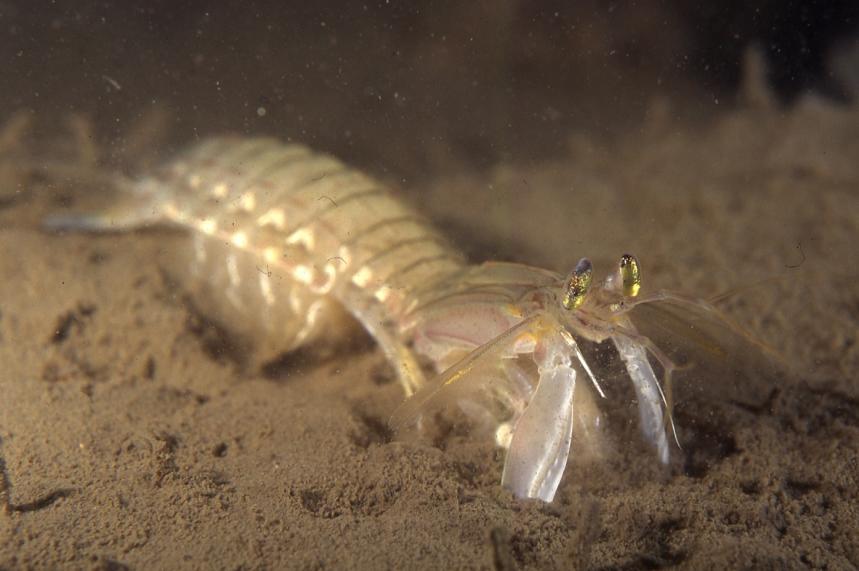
{"points": [[578, 285], [630, 275]]}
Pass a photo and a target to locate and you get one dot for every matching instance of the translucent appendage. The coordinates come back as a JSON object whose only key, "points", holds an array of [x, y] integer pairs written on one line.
{"points": [[648, 394], [132, 206], [542, 436]]}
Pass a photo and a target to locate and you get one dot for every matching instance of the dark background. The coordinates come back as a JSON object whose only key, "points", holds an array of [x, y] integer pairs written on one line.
{"points": [[406, 87]]}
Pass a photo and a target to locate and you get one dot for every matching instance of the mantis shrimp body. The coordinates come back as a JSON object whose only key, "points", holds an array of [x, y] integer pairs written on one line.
{"points": [[283, 242]]}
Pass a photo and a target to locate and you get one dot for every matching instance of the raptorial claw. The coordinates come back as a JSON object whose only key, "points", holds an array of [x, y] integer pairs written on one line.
{"points": [[648, 393], [541, 437]]}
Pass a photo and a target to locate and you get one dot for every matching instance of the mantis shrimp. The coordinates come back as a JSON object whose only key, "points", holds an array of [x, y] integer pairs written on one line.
{"points": [[508, 342]]}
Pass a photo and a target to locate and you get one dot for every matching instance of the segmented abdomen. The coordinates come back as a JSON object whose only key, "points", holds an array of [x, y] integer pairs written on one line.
{"points": [[285, 239]]}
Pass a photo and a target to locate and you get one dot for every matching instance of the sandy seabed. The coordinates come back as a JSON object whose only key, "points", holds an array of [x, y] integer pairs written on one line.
{"points": [[130, 439]]}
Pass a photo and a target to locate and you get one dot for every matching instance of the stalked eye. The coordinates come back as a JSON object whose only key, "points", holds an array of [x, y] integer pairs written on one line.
{"points": [[630, 275], [578, 284]]}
